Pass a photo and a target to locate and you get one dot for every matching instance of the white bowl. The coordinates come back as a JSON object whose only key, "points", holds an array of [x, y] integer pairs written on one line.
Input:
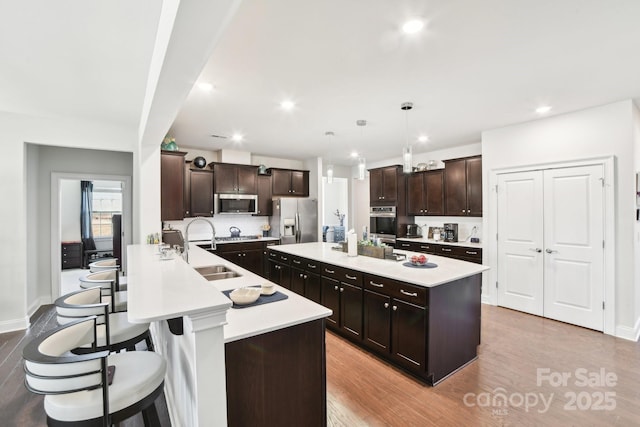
{"points": [[268, 288], [243, 296]]}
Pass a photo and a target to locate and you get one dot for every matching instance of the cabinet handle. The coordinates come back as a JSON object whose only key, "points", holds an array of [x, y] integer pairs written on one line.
{"points": [[350, 277], [284, 258], [377, 285], [305, 276], [295, 261], [311, 266], [411, 294], [395, 308], [329, 271], [239, 254], [445, 250], [425, 247], [335, 288], [386, 305], [301, 276], [405, 245], [187, 212], [472, 253], [464, 210], [341, 289]]}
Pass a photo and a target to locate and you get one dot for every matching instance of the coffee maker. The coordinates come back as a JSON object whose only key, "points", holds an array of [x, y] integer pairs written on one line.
{"points": [[450, 232]]}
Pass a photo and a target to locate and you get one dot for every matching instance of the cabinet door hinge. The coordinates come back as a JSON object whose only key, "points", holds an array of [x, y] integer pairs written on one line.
{"points": [[603, 244], [603, 305], [496, 284], [601, 181]]}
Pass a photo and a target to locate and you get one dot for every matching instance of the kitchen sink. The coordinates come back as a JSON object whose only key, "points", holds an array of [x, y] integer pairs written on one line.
{"points": [[216, 272]]}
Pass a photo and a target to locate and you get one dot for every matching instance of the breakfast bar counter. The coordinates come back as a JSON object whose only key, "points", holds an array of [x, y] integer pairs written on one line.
{"points": [[225, 362]]}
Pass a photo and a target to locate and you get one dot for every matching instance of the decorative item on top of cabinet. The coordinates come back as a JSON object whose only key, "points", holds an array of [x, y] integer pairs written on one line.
{"points": [[425, 193], [198, 190], [171, 185], [463, 186], [235, 179], [289, 182]]}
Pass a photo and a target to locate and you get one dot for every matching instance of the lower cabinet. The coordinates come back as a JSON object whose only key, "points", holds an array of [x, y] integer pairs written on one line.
{"points": [[279, 269], [248, 255], [395, 327], [305, 279], [342, 293]]}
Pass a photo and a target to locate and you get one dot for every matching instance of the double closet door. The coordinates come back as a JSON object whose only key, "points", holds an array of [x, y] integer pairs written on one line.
{"points": [[550, 243]]}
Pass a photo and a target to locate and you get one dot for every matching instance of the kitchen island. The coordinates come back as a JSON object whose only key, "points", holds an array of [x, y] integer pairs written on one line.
{"points": [[228, 366], [424, 320]]}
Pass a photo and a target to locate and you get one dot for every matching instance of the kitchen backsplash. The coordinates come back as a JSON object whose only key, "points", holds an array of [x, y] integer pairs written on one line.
{"points": [[248, 225], [465, 225]]}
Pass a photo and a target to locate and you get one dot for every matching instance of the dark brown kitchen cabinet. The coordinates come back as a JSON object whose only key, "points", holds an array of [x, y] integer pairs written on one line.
{"points": [[305, 278], [342, 293], [463, 186], [464, 253], [425, 193], [171, 185], [395, 319], [383, 185], [265, 206], [265, 258], [235, 179], [198, 191], [248, 255], [289, 182], [279, 269]]}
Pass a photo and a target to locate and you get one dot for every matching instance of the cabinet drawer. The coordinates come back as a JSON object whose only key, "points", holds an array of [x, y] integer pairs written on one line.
{"points": [[461, 252], [280, 257], [305, 264], [342, 274], [403, 291]]}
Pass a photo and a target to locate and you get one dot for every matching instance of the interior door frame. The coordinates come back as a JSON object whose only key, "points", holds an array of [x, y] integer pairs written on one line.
{"points": [[609, 165], [56, 232]]}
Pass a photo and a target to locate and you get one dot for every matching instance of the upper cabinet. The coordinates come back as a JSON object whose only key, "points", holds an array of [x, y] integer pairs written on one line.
{"points": [[198, 191], [425, 193], [265, 207], [383, 185], [289, 182], [463, 186], [171, 185], [235, 179]]}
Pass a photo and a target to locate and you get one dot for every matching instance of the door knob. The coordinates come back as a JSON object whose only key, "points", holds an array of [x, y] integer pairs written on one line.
{"points": [[550, 251], [538, 250]]}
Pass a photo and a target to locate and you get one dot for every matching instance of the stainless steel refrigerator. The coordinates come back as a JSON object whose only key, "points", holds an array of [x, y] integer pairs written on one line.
{"points": [[295, 220]]}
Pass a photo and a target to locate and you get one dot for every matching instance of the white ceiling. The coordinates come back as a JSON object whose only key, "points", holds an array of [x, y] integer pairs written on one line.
{"points": [[478, 65]]}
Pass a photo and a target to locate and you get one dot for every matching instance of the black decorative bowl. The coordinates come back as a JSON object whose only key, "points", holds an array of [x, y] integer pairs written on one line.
{"points": [[200, 162]]}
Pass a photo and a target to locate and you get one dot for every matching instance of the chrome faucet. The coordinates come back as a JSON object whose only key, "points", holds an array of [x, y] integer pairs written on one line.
{"points": [[186, 236]]}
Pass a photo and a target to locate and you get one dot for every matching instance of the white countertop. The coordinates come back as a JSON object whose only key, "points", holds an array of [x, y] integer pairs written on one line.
{"points": [[448, 269], [164, 289], [439, 242]]}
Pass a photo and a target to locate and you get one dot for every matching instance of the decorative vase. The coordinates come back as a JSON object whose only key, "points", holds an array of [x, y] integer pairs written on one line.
{"points": [[169, 144], [265, 233]]}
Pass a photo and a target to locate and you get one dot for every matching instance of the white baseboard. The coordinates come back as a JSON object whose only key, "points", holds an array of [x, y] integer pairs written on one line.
{"points": [[627, 333], [37, 304], [486, 299], [14, 325]]}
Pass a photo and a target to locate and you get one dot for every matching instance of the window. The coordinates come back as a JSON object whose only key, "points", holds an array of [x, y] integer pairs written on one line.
{"points": [[105, 204]]}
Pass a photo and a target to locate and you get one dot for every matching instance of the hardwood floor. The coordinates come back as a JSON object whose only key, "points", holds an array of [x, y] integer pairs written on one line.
{"points": [[364, 391]]}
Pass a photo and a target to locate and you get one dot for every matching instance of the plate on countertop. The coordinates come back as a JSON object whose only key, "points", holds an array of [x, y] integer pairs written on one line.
{"points": [[426, 265]]}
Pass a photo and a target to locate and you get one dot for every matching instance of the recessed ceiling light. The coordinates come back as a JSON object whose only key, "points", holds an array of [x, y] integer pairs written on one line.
{"points": [[413, 26], [205, 87], [287, 105], [544, 109], [354, 154], [237, 137], [423, 138]]}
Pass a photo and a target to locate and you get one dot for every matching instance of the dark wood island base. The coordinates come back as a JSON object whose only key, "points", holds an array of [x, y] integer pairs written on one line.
{"points": [[278, 378]]}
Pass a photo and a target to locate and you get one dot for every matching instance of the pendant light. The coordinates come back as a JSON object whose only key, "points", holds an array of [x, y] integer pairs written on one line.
{"points": [[330, 167], [407, 156], [362, 164]]}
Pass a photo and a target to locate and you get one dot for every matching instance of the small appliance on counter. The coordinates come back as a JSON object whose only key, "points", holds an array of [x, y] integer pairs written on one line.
{"points": [[450, 232], [413, 230]]}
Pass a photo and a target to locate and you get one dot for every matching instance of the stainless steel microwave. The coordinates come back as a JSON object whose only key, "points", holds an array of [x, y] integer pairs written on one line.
{"points": [[235, 204]]}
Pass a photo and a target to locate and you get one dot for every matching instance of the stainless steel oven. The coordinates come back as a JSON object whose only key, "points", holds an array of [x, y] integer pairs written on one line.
{"points": [[382, 223]]}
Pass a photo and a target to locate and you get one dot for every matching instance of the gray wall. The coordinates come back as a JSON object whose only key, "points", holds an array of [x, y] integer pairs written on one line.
{"points": [[61, 160]]}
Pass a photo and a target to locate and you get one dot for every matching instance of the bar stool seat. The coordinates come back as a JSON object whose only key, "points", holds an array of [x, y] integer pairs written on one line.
{"points": [[76, 387], [114, 332]]}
